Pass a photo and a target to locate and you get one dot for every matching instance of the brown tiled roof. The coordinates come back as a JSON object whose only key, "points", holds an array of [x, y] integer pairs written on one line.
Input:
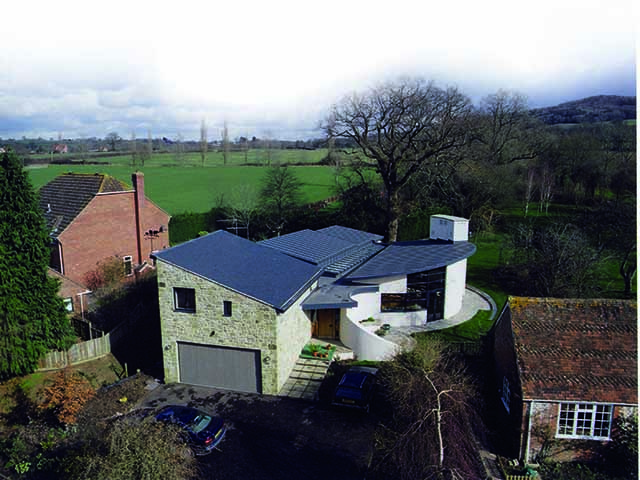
{"points": [[64, 197], [580, 350]]}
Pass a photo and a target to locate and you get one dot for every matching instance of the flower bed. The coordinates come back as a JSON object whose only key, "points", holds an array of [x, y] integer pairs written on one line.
{"points": [[315, 350]]}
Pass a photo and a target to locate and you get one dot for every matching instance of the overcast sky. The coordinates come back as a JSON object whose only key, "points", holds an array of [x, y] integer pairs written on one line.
{"points": [[274, 67]]}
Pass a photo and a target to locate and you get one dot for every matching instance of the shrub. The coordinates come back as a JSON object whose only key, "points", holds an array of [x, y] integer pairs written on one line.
{"points": [[66, 396]]}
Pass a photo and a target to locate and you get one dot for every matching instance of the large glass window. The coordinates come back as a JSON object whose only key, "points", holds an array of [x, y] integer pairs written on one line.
{"points": [[419, 285], [184, 299], [584, 420]]}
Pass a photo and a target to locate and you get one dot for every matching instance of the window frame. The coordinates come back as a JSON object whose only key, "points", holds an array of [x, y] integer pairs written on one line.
{"points": [[177, 291], [68, 304], [506, 394], [227, 308], [584, 420], [127, 259]]}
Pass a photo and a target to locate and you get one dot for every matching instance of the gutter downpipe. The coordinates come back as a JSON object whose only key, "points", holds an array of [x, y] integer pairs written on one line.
{"points": [[528, 443]]}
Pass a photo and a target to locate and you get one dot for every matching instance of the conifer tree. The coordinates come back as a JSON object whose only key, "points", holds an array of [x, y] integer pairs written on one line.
{"points": [[33, 319]]}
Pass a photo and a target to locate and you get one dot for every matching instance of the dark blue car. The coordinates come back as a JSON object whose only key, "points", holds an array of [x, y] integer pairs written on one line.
{"points": [[205, 432], [356, 388]]}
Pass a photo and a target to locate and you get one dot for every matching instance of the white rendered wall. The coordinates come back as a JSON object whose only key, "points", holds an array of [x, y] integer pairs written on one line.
{"points": [[447, 227], [455, 280], [365, 344]]}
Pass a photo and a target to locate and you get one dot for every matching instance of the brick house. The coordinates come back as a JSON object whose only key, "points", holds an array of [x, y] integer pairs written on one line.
{"points": [[236, 314], [93, 217], [60, 148], [565, 370]]}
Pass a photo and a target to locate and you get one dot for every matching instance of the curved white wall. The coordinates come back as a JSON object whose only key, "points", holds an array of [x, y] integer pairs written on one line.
{"points": [[366, 345], [454, 287]]}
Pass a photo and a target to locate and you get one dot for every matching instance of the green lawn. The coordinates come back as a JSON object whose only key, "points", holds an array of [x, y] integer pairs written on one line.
{"points": [[196, 189]]}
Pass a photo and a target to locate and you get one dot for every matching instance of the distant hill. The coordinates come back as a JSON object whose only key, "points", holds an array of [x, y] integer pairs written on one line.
{"points": [[601, 108]]}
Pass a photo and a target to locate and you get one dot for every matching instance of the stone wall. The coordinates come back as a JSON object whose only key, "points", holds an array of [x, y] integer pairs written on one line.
{"points": [[253, 325], [294, 331]]}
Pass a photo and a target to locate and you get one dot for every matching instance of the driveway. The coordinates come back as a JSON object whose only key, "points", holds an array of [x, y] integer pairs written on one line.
{"points": [[277, 437]]}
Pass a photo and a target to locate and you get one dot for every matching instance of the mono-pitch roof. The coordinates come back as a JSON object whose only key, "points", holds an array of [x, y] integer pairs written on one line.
{"points": [[64, 197], [404, 258], [252, 269], [576, 350], [336, 246]]}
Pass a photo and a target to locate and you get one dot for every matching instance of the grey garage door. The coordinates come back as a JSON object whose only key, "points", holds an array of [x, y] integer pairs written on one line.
{"points": [[221, 367]]}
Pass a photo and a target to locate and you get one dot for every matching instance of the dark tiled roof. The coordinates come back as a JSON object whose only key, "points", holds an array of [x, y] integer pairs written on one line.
{"points": [[576, 350], [403, 258], [337, 248], [350, 234], [310, 246], [64, 197], [252, 269]]}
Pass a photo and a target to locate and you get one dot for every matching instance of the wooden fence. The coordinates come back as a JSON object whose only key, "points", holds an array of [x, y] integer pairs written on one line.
{"points": [[78, 353]]}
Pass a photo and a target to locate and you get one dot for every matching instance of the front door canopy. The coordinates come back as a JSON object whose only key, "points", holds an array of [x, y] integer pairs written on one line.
{"points": [[335, 296]]}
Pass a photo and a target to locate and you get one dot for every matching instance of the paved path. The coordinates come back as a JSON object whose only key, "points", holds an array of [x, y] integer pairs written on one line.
{"points": [[305, 379]]}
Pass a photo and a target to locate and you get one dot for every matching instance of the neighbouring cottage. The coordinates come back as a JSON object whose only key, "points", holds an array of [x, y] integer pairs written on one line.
{"points": [[565, 370], [60, 148], [235, 314], [92, 217]]}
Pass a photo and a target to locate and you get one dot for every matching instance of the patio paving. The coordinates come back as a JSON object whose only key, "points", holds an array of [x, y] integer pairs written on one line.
{"points": [[305, 379]]}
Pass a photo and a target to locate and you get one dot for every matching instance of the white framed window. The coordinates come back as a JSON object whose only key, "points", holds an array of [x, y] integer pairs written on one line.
{"points": [[585, 420], [184, 299], [506, 394], [68, 304], [127, 260]]}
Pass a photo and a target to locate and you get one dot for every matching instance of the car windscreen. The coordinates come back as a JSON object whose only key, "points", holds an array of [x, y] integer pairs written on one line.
{"points": [[199, 423]]}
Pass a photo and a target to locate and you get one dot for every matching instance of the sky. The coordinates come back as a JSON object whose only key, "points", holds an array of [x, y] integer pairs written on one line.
{"points": [[274, 68]]}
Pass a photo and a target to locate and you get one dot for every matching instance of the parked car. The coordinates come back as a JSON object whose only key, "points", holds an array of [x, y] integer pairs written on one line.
{"points": [[356, 388], [204, 431]]}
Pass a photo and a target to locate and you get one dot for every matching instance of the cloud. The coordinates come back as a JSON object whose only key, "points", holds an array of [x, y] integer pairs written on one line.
{"points": [[277, 66]]}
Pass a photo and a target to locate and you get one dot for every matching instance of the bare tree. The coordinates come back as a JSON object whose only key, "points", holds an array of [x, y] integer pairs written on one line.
{"points": [[403, 127], [546, 188], [149, 147], [112, 139], [134, 148], [225, 142], [179, 149], [528, 191], [244, 205], [203, 141]]}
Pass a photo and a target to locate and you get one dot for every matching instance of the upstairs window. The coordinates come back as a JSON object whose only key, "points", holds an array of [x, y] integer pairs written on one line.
{"points": [[585, 420], [127, 260], [68, 304], [184, 299], [226, 308]]}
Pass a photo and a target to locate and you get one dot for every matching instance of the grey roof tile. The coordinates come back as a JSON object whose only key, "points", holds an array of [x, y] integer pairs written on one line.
{"points": [[252, 269], [403, 258]]}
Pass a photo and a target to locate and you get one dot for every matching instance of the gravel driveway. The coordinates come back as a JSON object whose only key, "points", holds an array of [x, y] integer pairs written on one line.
{"points": [[277, 437]]}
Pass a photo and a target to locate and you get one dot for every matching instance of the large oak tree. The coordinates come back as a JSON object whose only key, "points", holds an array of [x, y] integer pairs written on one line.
{"points": [[403, 126], [33, 319]]}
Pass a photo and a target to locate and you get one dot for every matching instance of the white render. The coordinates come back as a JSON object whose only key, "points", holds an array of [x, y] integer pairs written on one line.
{"points": [[366, 345], [447, 227], [455, 281]]}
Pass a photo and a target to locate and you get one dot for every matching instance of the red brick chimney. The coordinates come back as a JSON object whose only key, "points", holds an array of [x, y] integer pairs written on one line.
{"points": [[138, 186]]}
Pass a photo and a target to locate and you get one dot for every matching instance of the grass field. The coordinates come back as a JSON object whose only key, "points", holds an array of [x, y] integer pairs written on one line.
{"points": [[196, 189]]}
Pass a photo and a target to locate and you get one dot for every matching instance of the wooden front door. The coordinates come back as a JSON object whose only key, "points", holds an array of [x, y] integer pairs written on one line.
{"points": [[328, 323]]}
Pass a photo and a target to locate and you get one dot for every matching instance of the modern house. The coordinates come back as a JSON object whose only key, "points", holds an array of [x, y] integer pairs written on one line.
{"points": [[235, 314], [92, 217], [565, 370]]}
